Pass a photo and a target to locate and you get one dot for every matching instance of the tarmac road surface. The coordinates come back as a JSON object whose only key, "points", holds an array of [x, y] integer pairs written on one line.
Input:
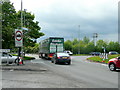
{"points": [[80, 74]]}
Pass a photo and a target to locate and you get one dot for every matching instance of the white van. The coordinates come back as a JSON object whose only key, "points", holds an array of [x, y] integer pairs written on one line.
{"points": [[69, 52]]}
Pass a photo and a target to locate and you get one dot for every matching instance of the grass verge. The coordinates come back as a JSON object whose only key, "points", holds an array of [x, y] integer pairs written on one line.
{"points": [[99, 59], [80, 54], [25, 57]]}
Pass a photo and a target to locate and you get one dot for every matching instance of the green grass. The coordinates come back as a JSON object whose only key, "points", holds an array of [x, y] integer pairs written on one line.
{"points": [[80, 54], [98, 59], [25, 58], [28, 58]]}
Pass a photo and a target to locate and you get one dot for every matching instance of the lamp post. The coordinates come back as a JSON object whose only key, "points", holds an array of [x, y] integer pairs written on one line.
{"points": [[19, 54], [19, 48], [24, 16], [79, 39]]}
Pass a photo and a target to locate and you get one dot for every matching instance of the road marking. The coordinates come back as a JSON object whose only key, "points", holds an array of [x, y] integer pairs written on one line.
{"points": [[96, 63], [37, 62], [11, 70], [104, 64]]}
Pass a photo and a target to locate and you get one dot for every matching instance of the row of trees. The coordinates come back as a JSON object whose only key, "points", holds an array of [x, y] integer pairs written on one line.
{"points": [[11, 20], [86, 46]]}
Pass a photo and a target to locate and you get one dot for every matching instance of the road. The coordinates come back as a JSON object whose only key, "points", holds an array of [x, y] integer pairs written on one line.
{"points": [[80, 74]]}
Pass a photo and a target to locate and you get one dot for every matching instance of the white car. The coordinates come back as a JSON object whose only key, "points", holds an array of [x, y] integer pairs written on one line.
{"points": [[8, 58], [113, 52], [69, 52]]}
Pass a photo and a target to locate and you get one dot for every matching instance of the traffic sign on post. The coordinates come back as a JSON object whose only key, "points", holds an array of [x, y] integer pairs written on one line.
{"points": [[18, 38]]}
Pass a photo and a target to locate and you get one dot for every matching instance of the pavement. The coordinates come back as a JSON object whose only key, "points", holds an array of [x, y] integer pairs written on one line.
{"points": [[28, 66]]}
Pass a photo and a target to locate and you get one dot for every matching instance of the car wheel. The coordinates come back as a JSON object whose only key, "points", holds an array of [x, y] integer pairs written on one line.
{"points": [[52, 61], [15, 61], [112, 67], [69, 63], [10, 62], [55, 62]]}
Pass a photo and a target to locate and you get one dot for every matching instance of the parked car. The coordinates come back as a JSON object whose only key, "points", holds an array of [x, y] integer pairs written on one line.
{"points": [[61, 58], [95, 53], [8, 58], [69, 52], [114, 63], [113, 52]]}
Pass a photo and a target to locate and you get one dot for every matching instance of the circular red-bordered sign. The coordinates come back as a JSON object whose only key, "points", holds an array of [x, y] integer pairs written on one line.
{"points": [[18, 35]]}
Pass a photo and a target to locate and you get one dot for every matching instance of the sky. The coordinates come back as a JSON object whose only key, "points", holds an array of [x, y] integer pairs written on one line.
{"points": [[74, 18]]}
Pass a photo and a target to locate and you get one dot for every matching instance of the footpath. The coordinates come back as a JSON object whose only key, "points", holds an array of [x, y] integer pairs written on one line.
{"points": [[28, 66]]}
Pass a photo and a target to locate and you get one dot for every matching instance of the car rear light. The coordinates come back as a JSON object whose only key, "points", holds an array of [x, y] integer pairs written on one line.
{"points": [[51, 55], [69, 58], [58, 57]]}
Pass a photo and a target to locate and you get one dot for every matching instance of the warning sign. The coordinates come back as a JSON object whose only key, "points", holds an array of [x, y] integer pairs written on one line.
{"points": [[18, 38]]}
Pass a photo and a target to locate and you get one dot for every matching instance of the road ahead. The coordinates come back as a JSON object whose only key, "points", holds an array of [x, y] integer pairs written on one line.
{"points": [[80, 74]]}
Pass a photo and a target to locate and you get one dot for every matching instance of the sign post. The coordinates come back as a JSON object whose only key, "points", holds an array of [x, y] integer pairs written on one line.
{"points": [[18, 41]]}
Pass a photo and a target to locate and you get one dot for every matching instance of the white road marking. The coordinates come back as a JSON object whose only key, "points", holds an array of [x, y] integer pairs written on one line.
{"points": [[104, 64], [37, 62], [96, 63]]}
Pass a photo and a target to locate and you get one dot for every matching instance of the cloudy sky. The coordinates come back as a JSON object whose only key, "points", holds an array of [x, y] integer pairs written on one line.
{"points": [[62, 17]]}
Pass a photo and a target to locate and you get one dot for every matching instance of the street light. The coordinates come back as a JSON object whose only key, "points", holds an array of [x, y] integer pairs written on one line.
{"points": [[24, 16], [79, 39]]}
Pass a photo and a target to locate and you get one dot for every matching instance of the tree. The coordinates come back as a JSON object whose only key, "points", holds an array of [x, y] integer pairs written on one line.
{"points": [[33, 32], [75, 41], [68, 45], [11, 21], [90, 47], [100, 44], [86, 40], [113, 46], [30, 49]]}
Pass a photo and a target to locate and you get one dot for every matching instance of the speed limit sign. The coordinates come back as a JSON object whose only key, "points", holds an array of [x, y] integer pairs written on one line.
{"points": [[18, 38]]}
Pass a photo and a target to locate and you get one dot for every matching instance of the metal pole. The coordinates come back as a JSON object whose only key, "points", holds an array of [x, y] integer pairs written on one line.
{"points": [[24, 17], [79, 39], [56, 48], [93, 38], [19, 49], [22, 25], [21, 15], [95, 35]]}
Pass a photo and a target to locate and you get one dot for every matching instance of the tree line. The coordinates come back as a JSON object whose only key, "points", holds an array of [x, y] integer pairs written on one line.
{"points": [[86, 46]]}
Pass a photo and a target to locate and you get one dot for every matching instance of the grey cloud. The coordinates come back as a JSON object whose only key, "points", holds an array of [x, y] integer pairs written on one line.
{"points": [[64, 20]]}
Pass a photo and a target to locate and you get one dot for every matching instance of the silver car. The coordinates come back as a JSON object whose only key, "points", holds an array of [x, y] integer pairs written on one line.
{"points": [[8, 58]]}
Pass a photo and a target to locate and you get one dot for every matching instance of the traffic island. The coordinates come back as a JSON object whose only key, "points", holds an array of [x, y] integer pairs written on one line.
{"points": [[101, 60]]}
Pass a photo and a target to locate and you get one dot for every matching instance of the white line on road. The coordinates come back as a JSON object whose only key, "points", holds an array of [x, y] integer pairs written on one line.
{"points": [[37, 62], [104, 64]]}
